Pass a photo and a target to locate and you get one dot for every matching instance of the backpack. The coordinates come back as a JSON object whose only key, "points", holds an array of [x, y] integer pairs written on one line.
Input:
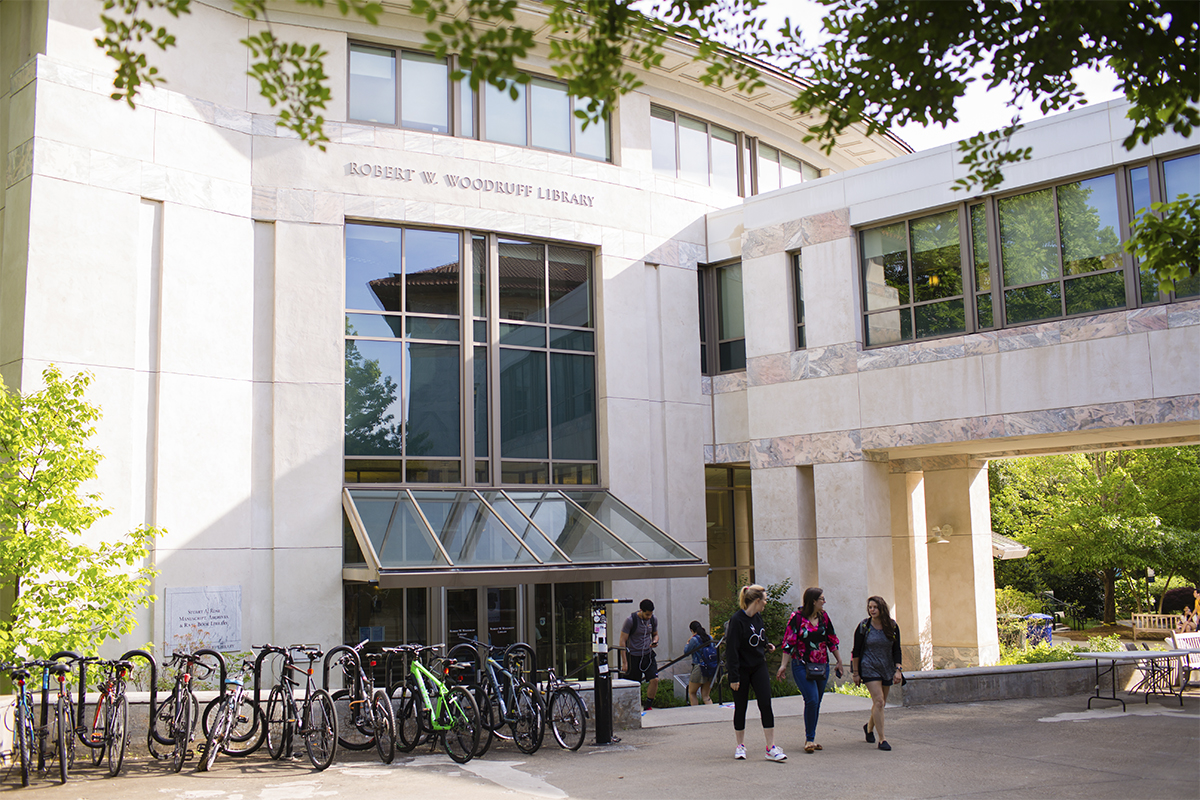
{"points": [[709, 660]]}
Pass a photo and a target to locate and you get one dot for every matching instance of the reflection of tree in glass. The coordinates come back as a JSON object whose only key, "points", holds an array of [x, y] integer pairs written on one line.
{"points": [[1089, 245], [937, 266], [370, 429], [940, 319], [1028, 238]]}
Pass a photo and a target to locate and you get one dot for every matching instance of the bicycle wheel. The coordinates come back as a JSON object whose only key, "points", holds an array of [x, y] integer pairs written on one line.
{"points": [[567, 718], [279, 729], [384, 720], [319, 728], [99, 735], [181, 731], [519, 659], [529, 724], [462, 739], [359, 734], [487, 714], [408, 720], [216, 735], [66, 739], [24, 725], [248, 731], [117, 724]]}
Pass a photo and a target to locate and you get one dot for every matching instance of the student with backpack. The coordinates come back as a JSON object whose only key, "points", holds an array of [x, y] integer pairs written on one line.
{"points": [[704, 664]]}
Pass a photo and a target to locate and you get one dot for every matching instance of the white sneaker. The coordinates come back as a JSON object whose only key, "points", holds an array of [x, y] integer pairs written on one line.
{"points": [[775, 754], [739, 752]]}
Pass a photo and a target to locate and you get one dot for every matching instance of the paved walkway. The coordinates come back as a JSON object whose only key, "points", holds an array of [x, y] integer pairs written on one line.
{"points": [[1043, 748]]}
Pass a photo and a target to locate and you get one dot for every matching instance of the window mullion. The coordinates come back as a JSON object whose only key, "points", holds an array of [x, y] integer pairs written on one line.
{"points": [[966, 263], [1062, 266]]}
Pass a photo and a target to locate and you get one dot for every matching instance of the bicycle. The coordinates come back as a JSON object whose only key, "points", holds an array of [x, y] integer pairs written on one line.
{"points": [[180, 710], [371, 713], [110, 721], [234, 710], [315, 719], [504, 698], [431, 708], [565, 712], [23, 728], [64, 716]]}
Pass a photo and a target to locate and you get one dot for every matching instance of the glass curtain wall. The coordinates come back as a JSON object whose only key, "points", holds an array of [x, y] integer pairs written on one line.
{"points": [[1024, 258], [530, 385]]}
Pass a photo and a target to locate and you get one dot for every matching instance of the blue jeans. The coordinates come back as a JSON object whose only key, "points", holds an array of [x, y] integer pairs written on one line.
{"points": [[813, 691]]}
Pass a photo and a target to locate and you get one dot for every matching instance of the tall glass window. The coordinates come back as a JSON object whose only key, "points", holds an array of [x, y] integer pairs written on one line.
{"points": [[694, 150], [402, 356], [533, 420], [798, 287], [418, 83], [1060, 251], [1045, 254], [388, 86], [913, 279], [722, 321]]}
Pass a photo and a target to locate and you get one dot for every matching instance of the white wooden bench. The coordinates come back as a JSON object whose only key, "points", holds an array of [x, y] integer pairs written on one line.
{"points": [[1188, 664], [1154, 626]]}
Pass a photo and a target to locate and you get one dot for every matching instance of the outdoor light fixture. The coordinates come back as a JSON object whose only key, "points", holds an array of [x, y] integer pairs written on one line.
{"points": [[939, 535]]}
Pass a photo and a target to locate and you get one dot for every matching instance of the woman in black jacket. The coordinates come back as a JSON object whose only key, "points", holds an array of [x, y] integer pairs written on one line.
{"points": [[875, 661], [746, 647]]}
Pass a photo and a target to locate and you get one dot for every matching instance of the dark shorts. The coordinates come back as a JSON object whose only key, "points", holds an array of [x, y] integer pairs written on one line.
{"points": [[642, 668], [873, 678]]}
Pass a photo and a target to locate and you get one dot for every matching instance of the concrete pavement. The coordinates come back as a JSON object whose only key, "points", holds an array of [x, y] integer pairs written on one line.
{"points": [[1037, 748]]}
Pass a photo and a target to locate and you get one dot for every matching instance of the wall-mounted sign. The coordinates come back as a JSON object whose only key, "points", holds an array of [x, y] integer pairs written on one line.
{"points": [[469, 183], [203, 616]]}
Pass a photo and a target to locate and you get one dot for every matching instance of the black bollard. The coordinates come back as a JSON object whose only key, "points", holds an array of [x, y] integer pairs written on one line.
{"points": [[602, 691]]}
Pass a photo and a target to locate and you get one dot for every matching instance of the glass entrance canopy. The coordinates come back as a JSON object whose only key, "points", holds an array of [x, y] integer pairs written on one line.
{"points": [[473, 537]]}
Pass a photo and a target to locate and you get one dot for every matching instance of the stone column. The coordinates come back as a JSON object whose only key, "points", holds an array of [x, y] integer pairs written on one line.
{"points": [[910, 606], [962, 585], [785, 544], [854, 540]]}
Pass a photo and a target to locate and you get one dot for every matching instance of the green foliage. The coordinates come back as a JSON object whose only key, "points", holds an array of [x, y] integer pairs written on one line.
{"points": [[850, 689], [1112, 514], [1165, 241], [124, 32], [1104, 644], [1040, 653], [1011, 601], [69, 596], [775, 615]]}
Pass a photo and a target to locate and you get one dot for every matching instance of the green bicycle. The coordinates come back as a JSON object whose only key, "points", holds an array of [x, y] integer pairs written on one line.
{"points": [[430, 708]]}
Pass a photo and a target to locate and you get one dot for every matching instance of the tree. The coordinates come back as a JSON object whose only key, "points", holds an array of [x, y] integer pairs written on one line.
{"points": [[1112, 514], [885, 63], [69, 595], [371, 428]]}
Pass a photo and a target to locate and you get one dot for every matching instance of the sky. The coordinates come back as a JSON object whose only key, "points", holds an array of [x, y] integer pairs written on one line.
{"points": [[978, 110]]}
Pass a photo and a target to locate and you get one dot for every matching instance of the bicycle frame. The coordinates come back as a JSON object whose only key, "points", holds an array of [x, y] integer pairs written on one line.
{"points": [[424, 678]]}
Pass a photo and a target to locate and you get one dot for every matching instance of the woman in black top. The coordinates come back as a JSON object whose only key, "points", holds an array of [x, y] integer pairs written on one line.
{"points": [[875, 661], [746, 647]]}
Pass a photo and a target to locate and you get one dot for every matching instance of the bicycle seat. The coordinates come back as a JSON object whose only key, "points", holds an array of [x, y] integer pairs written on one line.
{"points": [[20, 673], [59, 668]]}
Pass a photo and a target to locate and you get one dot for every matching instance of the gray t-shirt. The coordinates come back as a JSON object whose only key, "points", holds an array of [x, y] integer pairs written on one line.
{"points": [[877, 655], [641, 633]]}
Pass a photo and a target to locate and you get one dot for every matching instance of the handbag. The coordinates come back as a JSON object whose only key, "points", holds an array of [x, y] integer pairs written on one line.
{"points": [[813, 671]]}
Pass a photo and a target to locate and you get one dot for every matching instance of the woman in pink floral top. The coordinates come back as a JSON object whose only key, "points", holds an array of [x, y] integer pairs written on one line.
{"points": [[809, 639]]}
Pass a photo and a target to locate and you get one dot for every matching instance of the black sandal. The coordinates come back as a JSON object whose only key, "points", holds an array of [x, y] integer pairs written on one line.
{"points": [[870, 734]]}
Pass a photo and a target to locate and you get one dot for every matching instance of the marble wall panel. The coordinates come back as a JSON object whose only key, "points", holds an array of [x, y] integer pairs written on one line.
{"points": [[730, 417], [813, 406], [308, 314], [314, 614], [1175, 365], [830, 316], [923, 392], [1108, 370], [306, 462], [767, 288], [112, 127]]}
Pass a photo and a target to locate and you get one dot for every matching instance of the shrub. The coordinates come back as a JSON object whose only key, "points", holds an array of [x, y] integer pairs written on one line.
{"points": [[1175, 599], [1040, 653], [851, 689], [1104, 644]]}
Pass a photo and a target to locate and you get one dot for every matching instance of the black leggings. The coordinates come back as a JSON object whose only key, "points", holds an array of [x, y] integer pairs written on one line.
{"points": [[761, 681]]}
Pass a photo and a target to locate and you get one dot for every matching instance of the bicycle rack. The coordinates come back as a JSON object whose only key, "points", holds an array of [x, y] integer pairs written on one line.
{"points": [[341, 648], [224, 672]]}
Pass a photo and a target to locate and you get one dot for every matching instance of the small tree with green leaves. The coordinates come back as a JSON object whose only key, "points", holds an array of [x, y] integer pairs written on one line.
{"points": [[68, 595]]}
